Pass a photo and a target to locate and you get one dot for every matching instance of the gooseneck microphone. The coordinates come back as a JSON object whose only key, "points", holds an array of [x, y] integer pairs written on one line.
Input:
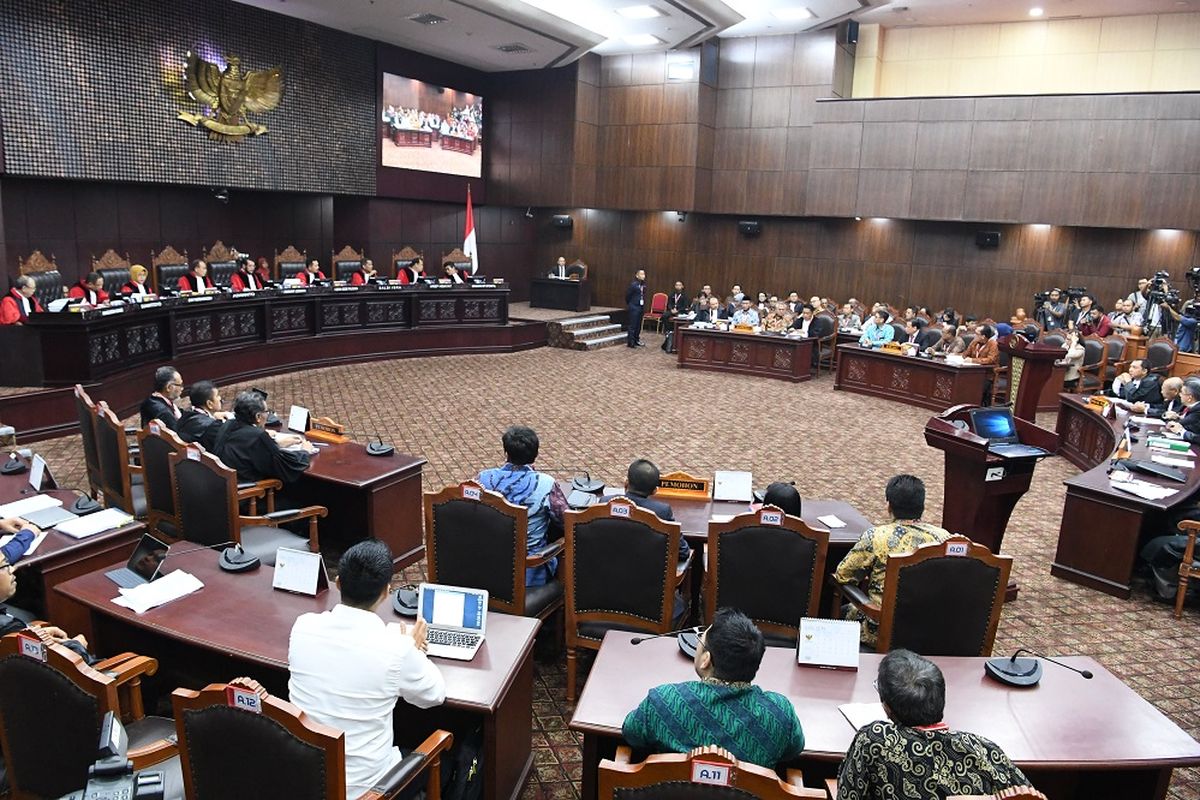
{"points": [[1014, 671], [640, 639], [1085, 673], [198, 549]]}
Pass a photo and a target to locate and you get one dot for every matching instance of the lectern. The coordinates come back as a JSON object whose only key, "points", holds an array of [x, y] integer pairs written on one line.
{"points": [[982, 488], [1031, 365]]}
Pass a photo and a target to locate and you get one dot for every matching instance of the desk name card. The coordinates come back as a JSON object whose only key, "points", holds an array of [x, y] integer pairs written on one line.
{"points": [[472, 493], [619, 510], [249, 293], [32, 648], [108, 312], [683, 485], [711, 773], [204, 298], [244, 699], [770, 517]]}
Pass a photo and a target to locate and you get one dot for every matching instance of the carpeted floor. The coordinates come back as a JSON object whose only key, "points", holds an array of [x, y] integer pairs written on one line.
{"points": [[598, 411]]}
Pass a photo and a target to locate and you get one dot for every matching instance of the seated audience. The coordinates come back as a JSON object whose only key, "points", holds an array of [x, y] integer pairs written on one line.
{"points": [[201, 422], [723, 708], [914, 755], [794, 302], [984, 349], [364, 274], [785, 497], [804, 321], [1019, 318], [453, 273], [949, 318], [136, 285], [244, 278], [877, 331], [560, 268], [348, 667], [779, 319], [160, 405], [197, 279], [848, 320], [714, 312], [1094, 323], [746, 314], [1074, 359], [90, 289], [522, 485], [19, 303], [413, 272], [913, 328], [245, 445], [1188, 423], [949, 344], [311, 273], [1138, 387], [1172, 404], [904, 534]]}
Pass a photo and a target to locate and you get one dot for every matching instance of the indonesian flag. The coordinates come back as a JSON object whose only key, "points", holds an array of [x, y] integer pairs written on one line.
{"points": [[469, 235]]}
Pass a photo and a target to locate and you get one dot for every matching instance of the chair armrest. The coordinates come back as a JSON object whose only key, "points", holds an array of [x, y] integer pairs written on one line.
{"points": [[246, 491], [860, 599], [276, 518], [682, 568], [399, 776], [154, 753], [135, 469], [543, 554], [831, 787], [131, 668], [108, 664]]}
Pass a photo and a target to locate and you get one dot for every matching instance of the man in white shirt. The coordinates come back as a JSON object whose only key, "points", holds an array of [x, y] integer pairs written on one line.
{"points": [[348, 666]]}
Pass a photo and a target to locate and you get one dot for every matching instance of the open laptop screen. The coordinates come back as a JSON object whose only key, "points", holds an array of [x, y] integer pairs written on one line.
{"points": [[451, 607], [994, 424], [147, 557]]}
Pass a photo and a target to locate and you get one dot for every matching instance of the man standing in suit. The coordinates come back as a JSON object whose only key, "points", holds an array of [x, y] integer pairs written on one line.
{"points": [[160, 405], [1138, 387], [635, 304]]}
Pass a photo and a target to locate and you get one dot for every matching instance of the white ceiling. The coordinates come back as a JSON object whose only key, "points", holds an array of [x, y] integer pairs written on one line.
{"points": [[557, 32]]}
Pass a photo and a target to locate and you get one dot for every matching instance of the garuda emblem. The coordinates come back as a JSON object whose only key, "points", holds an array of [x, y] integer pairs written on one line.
{"points": [[229, 95]]}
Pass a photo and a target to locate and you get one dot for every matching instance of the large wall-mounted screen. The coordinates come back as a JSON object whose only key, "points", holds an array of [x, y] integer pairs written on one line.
{"points": [[430, 128]]}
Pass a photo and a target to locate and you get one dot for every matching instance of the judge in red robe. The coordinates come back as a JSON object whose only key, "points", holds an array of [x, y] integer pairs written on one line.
{"points": [[90, 290], [364, 274], [197, 280], [19, 303], [311, 273], [136, 285], [243, 279]]}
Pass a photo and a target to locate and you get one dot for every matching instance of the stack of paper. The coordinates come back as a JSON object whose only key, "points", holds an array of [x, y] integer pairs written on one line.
{"points": [[1173, 461], [28, 505], [141, 599], [831, 521], [1144, 490], [1146, 421], [92, 524], [860, 715]]}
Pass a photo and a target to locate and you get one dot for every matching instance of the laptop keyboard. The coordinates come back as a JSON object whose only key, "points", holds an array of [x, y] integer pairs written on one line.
{"points": [[125, 578], [452, 638]]}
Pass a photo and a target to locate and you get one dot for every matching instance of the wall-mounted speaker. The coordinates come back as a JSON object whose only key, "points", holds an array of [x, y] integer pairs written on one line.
{"points": [[749, 227], [563, 221], [848, 33], [987, 240]]}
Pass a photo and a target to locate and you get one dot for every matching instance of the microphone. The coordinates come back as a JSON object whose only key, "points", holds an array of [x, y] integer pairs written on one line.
{"points": [[640, 639], [1015, 671], [198, 549]]}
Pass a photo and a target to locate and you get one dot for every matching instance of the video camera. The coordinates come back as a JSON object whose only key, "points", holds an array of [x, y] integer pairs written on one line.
{"points": [[111, 777], [1161, 291], [1072, 294]]}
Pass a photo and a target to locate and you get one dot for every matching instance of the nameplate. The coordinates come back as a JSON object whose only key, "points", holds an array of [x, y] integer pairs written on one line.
{"points": [[201, 299], [683, 485], [345, 288], [155, 304], [299, 571], [472, 493], [193, 453], [712, 773], [389, 287], [619, 510], [957, 548], [770, 518], [293, 291], [32, 648], [244, 699], [247, 293], [108, 312], [154, 427], [498, 281]]}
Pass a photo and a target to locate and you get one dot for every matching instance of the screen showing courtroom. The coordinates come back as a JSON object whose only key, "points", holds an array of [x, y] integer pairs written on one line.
{"points": [[430, 128]]}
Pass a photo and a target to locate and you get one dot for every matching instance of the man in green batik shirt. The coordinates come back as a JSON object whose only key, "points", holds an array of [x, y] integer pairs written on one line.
{"points": [[722, 708]]}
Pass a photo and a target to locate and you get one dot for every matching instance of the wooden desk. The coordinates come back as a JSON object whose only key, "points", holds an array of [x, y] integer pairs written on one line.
{"points": [[927, 382], [1101, 530], [412, 137], [239, 625], [368, 496], [765, 355], [1074, 738], [565, 295]]}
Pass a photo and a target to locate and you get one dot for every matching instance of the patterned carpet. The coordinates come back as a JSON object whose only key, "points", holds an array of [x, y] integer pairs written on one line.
{"points": [[601, 410]]}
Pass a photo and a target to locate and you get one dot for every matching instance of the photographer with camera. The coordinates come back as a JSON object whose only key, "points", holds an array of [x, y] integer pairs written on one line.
{"points": [[1050, 309], [1093, 321], [1141, 297]]}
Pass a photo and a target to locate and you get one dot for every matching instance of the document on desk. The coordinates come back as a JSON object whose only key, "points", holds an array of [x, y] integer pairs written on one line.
{"points": [[28, 505], [1173, 461], [859, 715], [92, 524], [828, 643], [1146, 421], [733, 485], [1143, 489], [831, 521], [172, 586]]}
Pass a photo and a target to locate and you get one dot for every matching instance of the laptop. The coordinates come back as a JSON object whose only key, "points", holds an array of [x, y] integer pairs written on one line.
{"points": [[1160, 470], [1000, 429], [143, 566], [457, 619]]}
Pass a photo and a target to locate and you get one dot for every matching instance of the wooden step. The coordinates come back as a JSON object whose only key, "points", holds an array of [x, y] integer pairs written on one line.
{"points": [[603, 341], [591, 333]]}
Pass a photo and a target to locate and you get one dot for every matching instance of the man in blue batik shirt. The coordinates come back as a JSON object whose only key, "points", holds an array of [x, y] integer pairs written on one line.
{"points": [[522, 485]]}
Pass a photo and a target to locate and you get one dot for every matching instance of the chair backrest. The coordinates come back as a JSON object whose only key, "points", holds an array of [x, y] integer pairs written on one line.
{"points": [[113, 269], [227, 751], [113, 451], [1094, 351], [1056, 339], [957, 582], [901, 333], [1031, 330], [344, 262], [167, 267], [658, 302], [221, 262], [1116, 348], [669, 777], [206, 501], [767, 565], [50, 713], [822, 326], [48, 282], [476, 538], [577, 269], [619, 567], [929, 336], [1160, 355], [402, 258], [288, 262], [85, 409], [157, 442]]}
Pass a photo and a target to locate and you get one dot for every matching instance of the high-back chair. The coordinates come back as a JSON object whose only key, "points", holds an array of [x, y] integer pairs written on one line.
{"points": [[235, 743], [824, 329], [47, 279], [1055, 338], [658, 307], [51, 706], [619, 572], [206, 502], [85, 410], [1160, 356], [289, 262], [476, 538], [769, 566], [157, 442], [1115, 362], [1095, 354], [222, 263], [957, 582], [671, 776], [402, 258], [114, 269], [167, 267], [344, 263], [116, 469]]}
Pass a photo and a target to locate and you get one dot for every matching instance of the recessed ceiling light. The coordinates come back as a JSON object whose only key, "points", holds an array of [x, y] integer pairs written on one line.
{"points": [[1036, 12], [639, 12], [793, 13], [642, 40]]}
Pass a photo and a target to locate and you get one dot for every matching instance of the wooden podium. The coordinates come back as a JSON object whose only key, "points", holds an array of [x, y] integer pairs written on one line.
{"points": [[1031, 365], [982, 488]]}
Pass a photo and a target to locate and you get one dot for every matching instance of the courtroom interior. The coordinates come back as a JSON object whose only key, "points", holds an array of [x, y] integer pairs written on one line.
{"points": [[788, 398]]}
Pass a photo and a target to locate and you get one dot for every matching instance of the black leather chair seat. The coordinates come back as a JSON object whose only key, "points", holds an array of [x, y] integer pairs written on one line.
{"points": [[147, 731], [779, 641], [168, 528], [539, 598], [596, 630], [263, 541]]}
